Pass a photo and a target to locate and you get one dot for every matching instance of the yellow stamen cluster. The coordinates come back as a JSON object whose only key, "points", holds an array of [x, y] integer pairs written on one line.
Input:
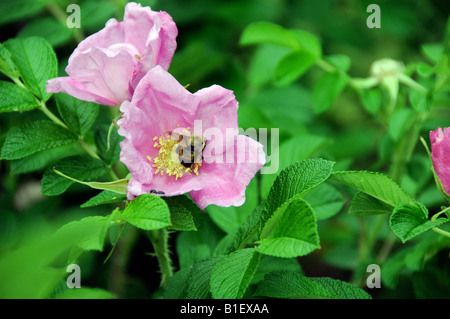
{"points": [[168, 160]]}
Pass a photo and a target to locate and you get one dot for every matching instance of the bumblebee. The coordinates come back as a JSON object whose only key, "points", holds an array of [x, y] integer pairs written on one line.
{"points": [[190, 149]]}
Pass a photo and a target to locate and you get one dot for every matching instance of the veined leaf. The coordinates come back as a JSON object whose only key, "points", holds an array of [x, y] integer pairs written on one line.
{"points": [[184, 213], [199, 277], [377, 185], [363, 204], [289, 284], [147, 212], [408, 222], [35, 137], [16, 99], [294, 233], [105, 197], [7, 66], [296, 180], [41, 160], [233, 273], [78, 115], [80, 168], [36, 61]]}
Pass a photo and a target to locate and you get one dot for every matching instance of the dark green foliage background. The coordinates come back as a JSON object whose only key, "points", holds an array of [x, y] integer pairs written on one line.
{"points": [[209, 53]]}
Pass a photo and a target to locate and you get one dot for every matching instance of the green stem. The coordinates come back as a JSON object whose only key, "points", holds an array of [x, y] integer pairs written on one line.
{"points": [[50, 115], [159, 239], [324, 65], [89, 150], [435, 216], [441, 232]]}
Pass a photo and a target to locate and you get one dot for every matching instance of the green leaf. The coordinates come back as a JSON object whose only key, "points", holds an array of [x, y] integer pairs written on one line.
{"points": [[269, 264], [400, 122], [55, 32], [36, 61], [295, 149], [233, 273], [78, 115], [297, 180], [230, 218], [237, 238], [105, 197], [176, 286], [35, 137], [292, 66], [264, 63], [376, 185], [50, 29], [325, 201], [194, 246], [91, 231], [42, 159], [82, 168], [326, 90], [267, 32], [85, 293], [433, 51], [16, 99], [371, 99], [11, 11], [199, 277], [308, 42], [109, 154], [119, 186], [147, 212], [7, 66], [419, 101], [363, 205], [341, 289], [295, 233], [289, 284], [184, 213], [341, 61], [408, 222]]}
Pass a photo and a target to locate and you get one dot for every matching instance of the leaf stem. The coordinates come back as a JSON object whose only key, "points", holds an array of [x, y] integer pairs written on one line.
{"points": [[50, 115], [159, 239], [89, 150], [435, 216], [441, 232]]}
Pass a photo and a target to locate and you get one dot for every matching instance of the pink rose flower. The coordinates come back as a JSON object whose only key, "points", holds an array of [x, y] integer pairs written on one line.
{"points": [[440, 154], [177, 142], [106, 67]]}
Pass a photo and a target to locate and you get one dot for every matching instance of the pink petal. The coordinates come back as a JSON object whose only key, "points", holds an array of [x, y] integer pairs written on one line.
{"points": [[76, 89], [104, 73], [440, 154], [159, 104], [224, 184]]}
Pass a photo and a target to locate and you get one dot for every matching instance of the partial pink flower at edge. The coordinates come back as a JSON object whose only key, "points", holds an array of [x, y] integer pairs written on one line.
{"points": [[440, 154], [161, 105], [107, 66]]}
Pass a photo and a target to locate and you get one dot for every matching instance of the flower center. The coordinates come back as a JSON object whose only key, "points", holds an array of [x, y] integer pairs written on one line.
{"points": [[179, 153]]}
